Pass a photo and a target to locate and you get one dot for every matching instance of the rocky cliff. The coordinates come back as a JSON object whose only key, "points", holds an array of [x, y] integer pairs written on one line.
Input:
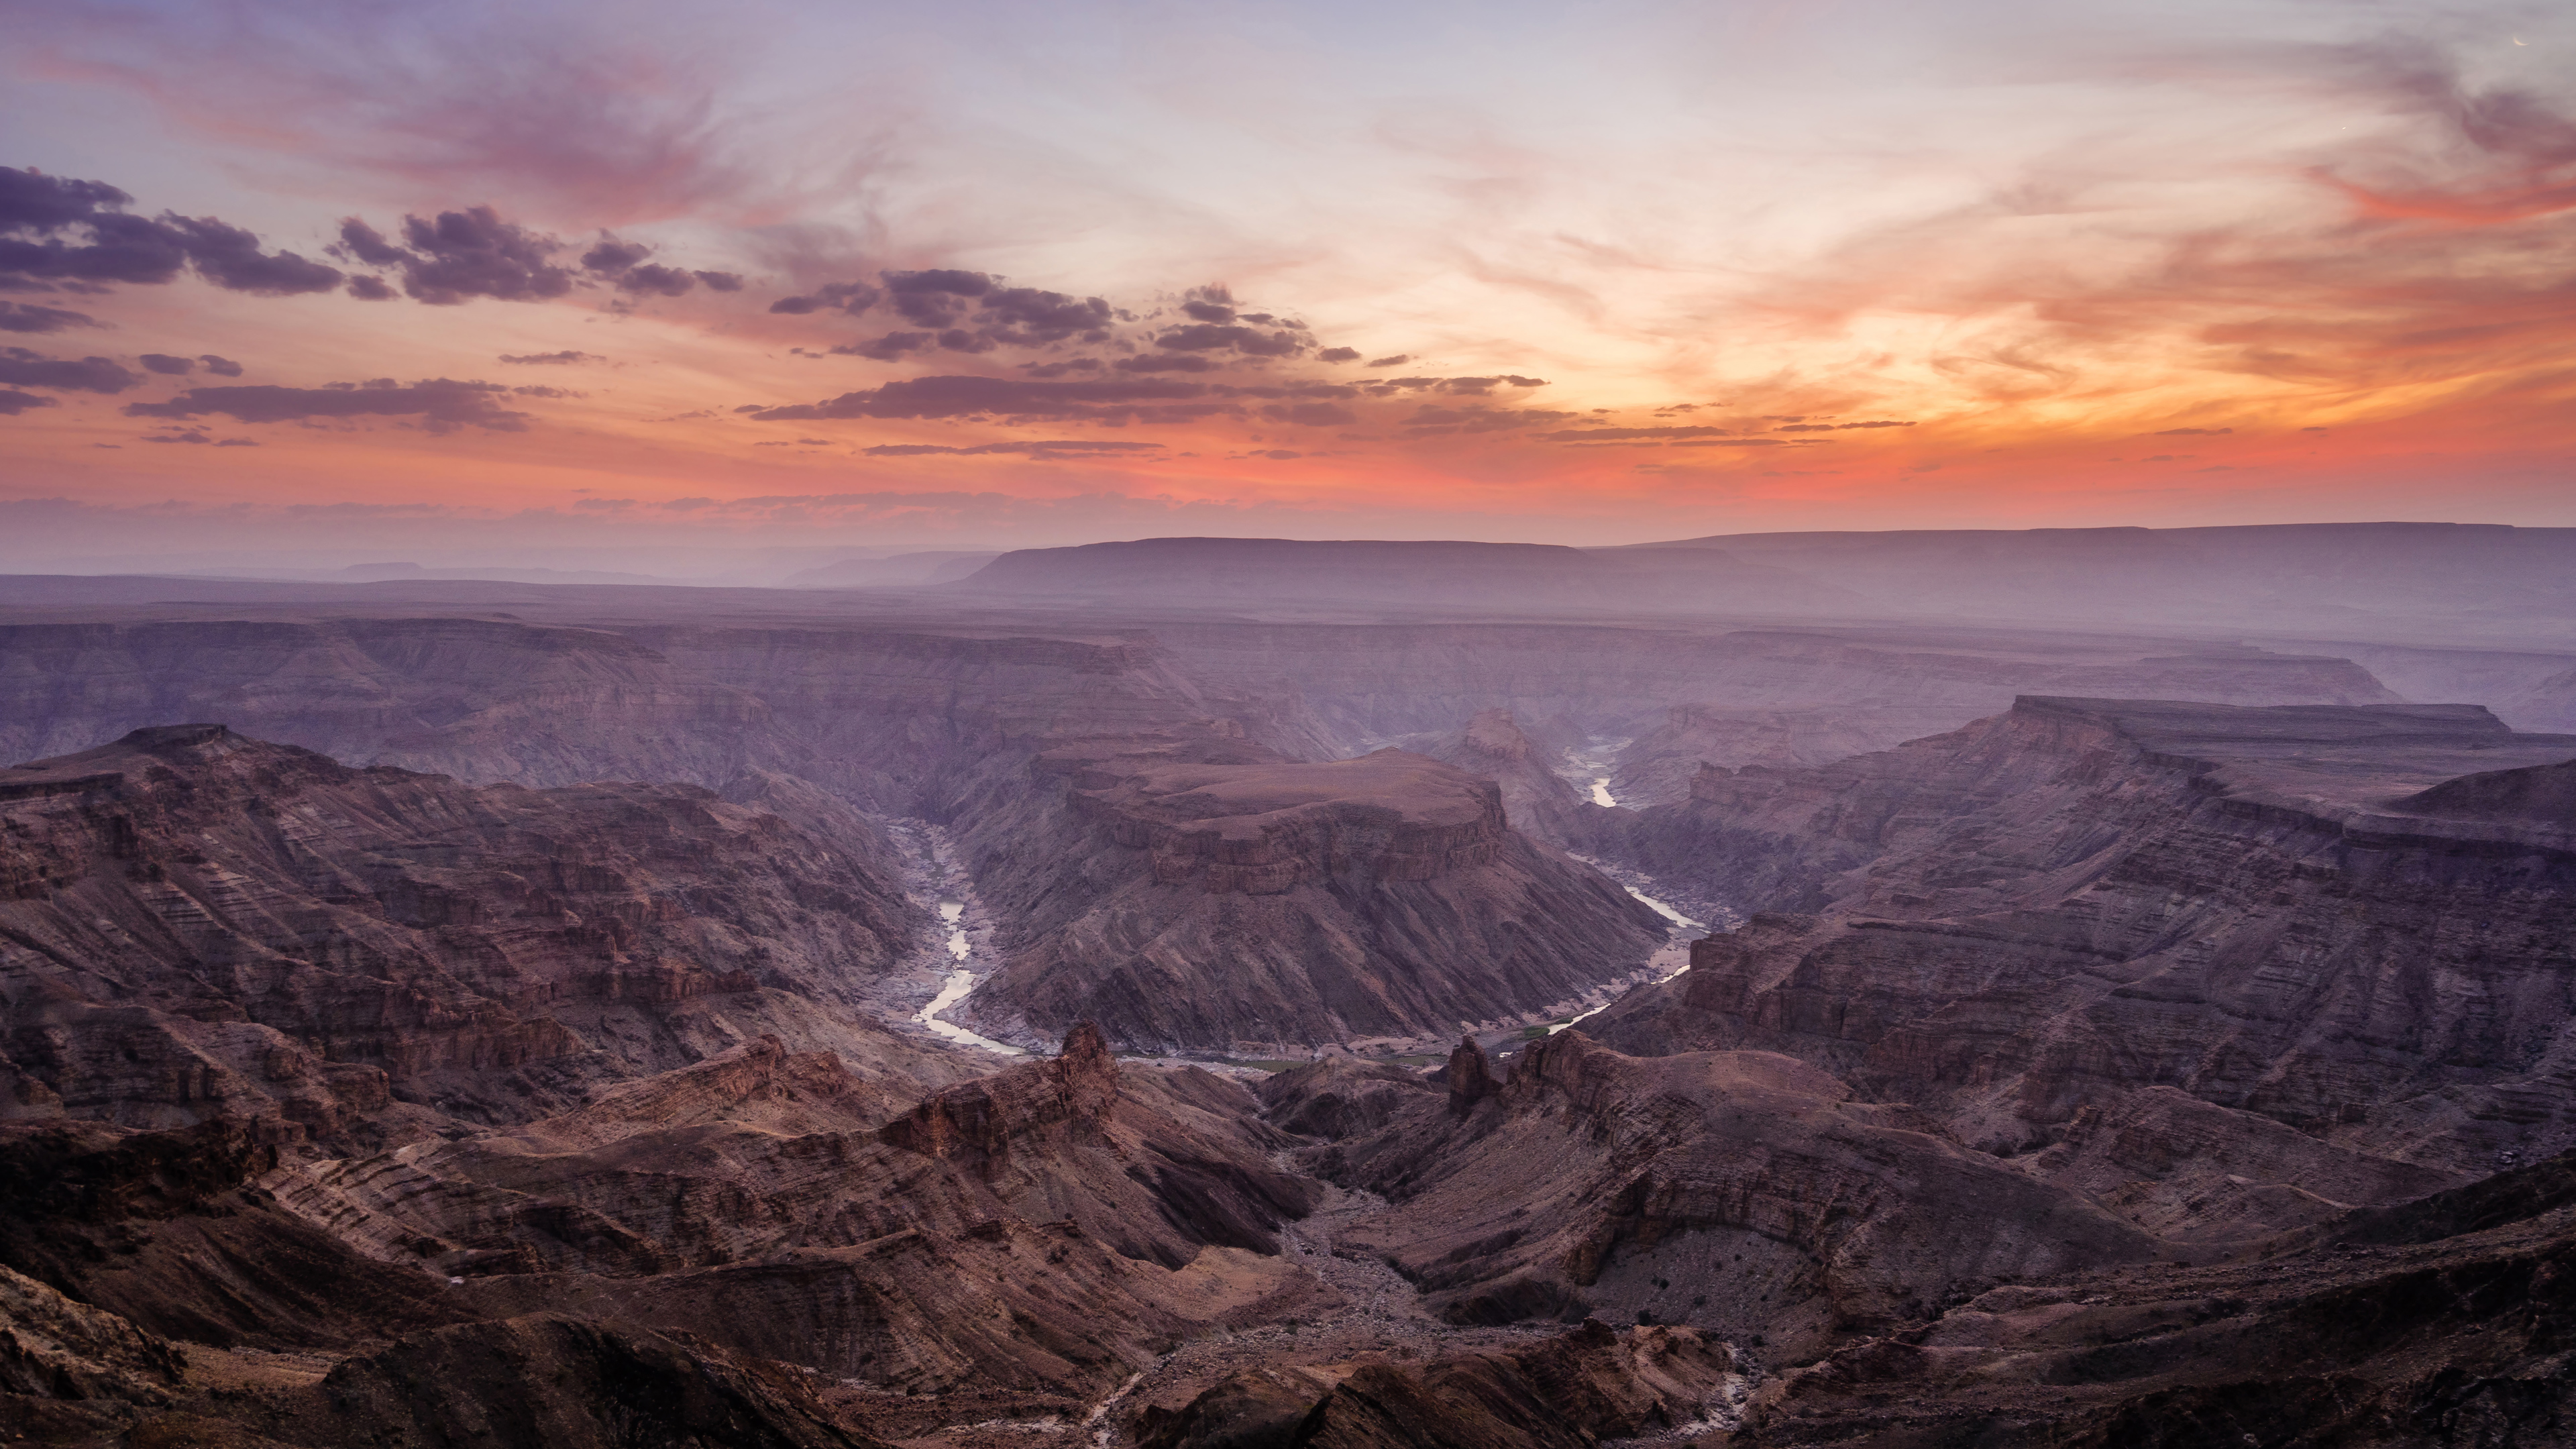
{"points": [[745, 1249], [1743, 1192], [2115, 935], [875, 714], [1539, 800], [199, 925], [1209, 896], [2449, 1321]]}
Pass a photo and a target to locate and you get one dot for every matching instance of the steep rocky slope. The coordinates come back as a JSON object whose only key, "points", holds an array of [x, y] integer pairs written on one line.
{"points": [[1569, 1392], [874, 713], [1742, 1192], [2448, 1321], [199, 925], [1201, 893], [1538, 799], [2132, 933], [1734, 696], [752, 1225]]}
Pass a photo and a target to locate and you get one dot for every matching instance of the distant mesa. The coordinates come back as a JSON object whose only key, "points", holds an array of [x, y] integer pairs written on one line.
{"points": [[1432, 574], [939, 566]]}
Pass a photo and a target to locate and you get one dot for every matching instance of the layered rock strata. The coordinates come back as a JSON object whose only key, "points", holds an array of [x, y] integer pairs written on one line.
{"points": [[1742, 1192], [1570, 1392], [1208, 896], [1538, 799], [198, 925], [2243, 966], [2449, 1321]]}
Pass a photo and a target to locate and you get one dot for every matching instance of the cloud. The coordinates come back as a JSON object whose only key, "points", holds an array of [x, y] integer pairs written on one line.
{"points": [[13, 402], [565, 358], [889, 348], [1622, 435], [1030, 317], [2190, 432], [22, 368], [1338, 354], [461, 255], [1834, 427], [220, 366], [230, 258], [613, 256], [936, 297], [962, 397], [851, 297], [1184, 362], [1208, 304], [655, 280], [28, 317], [720, 281], [371, 289], [55, 229], [166, 365], [1398, 360], [198, 436], [1311, 415], [441, 403], [1040, 449], [1215, 337]]}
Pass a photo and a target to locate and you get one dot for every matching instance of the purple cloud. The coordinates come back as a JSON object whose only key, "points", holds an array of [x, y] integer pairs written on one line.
{"points": [[442, 404], [55, 229], [22, 368]]}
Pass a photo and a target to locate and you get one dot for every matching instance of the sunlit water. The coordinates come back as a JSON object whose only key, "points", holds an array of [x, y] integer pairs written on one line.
{"points": [[1680, 922], [1601, 791], [1667, 912], [960, 982]]}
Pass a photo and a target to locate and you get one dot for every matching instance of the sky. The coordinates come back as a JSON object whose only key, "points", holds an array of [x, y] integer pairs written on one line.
{"points": [[660, 285]]}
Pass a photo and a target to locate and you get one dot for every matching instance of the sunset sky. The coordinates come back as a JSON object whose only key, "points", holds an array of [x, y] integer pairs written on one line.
{"points": [[643, 284]]}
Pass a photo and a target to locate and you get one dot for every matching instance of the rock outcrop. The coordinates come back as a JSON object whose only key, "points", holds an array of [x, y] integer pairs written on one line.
{"points": [[2050, 928], [2451, 1321], [199, 925], [1570, 1392], [1537, 798], [1741, 1192], [1227, 900]]}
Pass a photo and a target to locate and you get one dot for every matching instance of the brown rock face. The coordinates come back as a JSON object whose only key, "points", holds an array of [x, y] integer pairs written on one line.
{"points": [[199, 925], [547, 1379], [2026, 923], [977, 1120], [1538, 799], [1739, 1191], [1263, 829], [1230, 900], [2445, 1322], [1469, 1076], [1570, 1392]]}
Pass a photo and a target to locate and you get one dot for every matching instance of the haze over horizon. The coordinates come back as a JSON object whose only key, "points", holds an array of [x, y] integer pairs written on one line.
{"points": [[467, 283]]}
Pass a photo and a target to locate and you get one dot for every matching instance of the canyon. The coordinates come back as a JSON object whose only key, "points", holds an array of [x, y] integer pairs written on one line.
{"points": [[1236, 993]]}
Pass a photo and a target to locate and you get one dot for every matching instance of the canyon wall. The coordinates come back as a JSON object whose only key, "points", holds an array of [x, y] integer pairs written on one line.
{"points": [[1209, 895], [2037, 925], [200, 925]]}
